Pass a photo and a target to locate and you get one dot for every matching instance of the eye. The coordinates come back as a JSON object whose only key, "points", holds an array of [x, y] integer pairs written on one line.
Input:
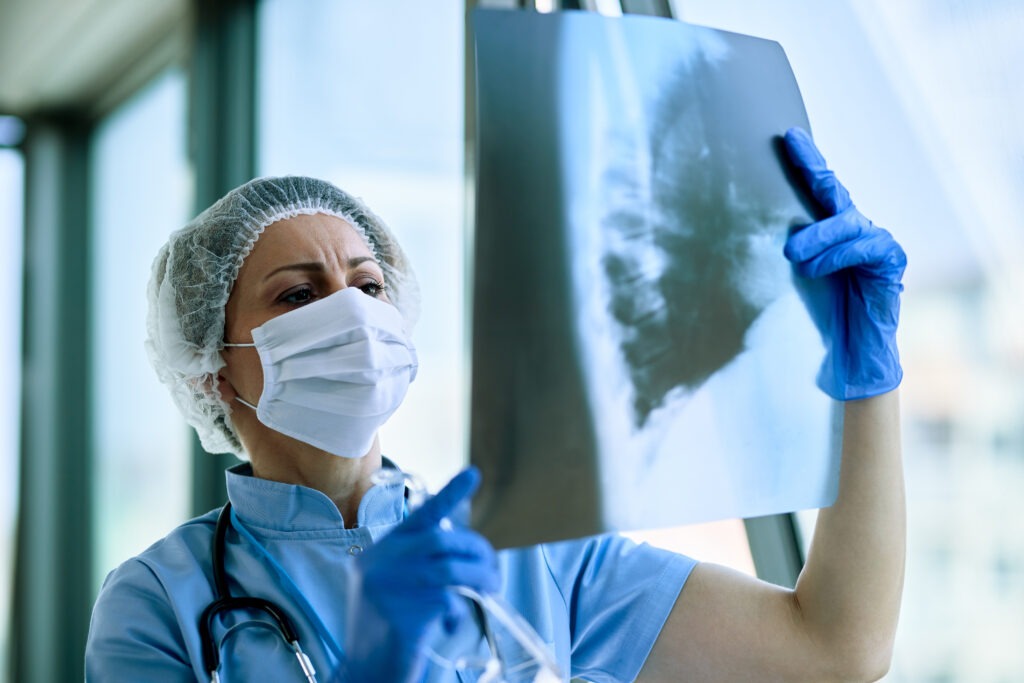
{"points": [[298, 296], [372, 287], [369, 283]]}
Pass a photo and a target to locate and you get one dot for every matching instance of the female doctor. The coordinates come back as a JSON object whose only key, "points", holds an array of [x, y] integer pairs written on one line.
{"points": [[279, 318]]}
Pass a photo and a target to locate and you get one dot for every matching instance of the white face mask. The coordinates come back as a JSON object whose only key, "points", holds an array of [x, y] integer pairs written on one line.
{"points": [[333, 371]]}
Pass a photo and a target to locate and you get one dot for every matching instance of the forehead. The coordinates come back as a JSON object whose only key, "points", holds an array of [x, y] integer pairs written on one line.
{"points": [[313, 238]]}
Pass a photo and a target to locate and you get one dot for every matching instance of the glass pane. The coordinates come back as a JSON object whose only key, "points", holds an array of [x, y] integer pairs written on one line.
{"points": [[369, 96], [11, 233], [141, 192], [723, 542], [916, 105]]}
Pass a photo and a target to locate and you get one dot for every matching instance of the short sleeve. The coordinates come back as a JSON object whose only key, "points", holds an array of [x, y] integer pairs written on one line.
{"points": [[134, 635], [619, 595]]}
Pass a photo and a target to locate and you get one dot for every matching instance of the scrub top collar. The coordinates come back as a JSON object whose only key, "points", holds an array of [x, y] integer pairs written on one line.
{"points": [[272, 506]]}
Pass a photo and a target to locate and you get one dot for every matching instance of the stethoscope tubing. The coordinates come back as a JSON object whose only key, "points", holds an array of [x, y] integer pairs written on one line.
{"points": [[225, 602]]}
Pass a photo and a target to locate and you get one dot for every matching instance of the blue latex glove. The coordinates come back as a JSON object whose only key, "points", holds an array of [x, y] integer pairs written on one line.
{"points": [[400, 591], [856, 304]]}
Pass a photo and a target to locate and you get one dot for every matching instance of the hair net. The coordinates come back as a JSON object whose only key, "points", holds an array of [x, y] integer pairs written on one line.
{"points": [[194, 272]]}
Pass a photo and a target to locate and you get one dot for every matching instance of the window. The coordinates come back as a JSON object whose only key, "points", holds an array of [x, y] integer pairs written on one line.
{"points": [[141, 192], [340, 99]]}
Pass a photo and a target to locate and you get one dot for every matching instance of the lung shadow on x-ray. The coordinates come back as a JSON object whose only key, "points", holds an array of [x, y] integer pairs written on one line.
{"points": [[693, 268]]}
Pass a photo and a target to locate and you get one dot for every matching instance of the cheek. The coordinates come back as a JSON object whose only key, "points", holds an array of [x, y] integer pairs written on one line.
{"points": [[244, 373]]}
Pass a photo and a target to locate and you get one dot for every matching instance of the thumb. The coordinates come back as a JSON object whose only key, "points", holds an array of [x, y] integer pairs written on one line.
{"points": [[826, 189]]}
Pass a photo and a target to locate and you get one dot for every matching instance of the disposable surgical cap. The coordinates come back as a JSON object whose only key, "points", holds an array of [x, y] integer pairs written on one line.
{"points": [[194, 272]]}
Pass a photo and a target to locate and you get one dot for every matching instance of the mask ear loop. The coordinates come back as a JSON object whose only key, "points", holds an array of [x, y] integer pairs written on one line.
{"points": [[250, 345], [245, 403]]}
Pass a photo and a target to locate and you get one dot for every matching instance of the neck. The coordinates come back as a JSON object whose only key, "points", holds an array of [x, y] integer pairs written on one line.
{"points": [[344, 480]]}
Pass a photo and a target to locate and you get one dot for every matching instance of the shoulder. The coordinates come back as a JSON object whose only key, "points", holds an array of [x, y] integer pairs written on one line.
{"points": [[615, 594], [587, 568], [158, 588], [609, 574], [612, 554], [184, 550], [178, 559]]}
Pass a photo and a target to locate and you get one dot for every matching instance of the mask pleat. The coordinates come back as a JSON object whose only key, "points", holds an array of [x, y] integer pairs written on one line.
{"points": [[334, 371], [363, 362]]}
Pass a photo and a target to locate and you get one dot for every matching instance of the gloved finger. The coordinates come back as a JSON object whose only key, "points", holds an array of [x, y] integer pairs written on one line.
{"points": [[812, 240], [877, 252], [433, 543], [424, 583], [460, 516], [825, 187], [460, 488], [456, 571], [464, 543]]}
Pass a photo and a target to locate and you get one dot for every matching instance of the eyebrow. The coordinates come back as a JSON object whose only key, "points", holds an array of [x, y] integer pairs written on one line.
{"points": [[317, 266]]}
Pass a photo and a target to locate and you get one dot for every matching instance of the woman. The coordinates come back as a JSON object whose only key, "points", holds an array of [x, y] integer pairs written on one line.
{"points": [[279, 318]]}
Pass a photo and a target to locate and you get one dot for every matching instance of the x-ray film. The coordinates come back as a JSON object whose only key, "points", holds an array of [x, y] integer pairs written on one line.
{"points": [[641, 357]]}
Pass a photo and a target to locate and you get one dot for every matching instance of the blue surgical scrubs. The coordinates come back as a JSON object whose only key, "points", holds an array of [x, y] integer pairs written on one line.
{"points": [[599, 602]]}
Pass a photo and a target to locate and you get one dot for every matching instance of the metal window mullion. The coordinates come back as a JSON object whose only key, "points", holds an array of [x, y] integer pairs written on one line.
{"points": [[54, 589], [775, 547], [223, 151]]}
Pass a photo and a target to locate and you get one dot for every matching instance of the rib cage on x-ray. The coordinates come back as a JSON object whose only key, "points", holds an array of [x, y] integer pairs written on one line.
{"points": [[670, 244], [640, 356]]}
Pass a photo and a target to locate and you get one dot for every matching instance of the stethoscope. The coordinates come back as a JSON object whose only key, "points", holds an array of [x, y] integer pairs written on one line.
{"points": [[225, 602]]}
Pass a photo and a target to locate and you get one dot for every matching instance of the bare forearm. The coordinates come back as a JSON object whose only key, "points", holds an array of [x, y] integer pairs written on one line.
{"points": [[849, 591]]}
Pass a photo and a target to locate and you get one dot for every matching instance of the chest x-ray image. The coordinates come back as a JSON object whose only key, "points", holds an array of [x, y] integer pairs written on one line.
{"points": [[641, 357]]}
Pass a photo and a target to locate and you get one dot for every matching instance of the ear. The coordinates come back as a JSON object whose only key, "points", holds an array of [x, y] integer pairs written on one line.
{"points": [[225, 388]]}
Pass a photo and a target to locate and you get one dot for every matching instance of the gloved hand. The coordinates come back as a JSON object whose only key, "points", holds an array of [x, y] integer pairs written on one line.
{"points": [[856, 304], [399, 591]]}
